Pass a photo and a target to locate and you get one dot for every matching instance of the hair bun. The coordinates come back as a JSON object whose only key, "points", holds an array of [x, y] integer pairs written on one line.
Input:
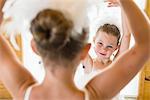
{"points": [[51, 29]]}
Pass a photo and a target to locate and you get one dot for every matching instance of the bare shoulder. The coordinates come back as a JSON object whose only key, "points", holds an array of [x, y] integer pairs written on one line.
{"points": [[114, 77]]}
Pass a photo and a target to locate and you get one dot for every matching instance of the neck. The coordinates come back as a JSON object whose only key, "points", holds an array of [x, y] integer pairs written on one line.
{"points": [[59, 83], [60, 77], [104, 61]]}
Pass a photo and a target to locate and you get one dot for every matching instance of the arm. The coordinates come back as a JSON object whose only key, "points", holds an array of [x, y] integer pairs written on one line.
{"points": [[13, 75], [108, 83], [2, 2], [125, 41]]}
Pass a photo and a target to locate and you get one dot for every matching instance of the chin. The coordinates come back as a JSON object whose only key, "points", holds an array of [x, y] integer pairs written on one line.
{"points": [[101, 57]]}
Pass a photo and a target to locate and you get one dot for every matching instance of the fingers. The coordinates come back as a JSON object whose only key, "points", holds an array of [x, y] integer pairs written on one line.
{"points": [[1, 17], [2, 2], [112, 3]]}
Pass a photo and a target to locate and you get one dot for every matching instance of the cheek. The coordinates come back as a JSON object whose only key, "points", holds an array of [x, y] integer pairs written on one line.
{"points": [[109, 53], [97, 48]]}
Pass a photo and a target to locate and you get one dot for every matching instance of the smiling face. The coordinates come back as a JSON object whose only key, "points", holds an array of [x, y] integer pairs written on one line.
{"points": [[106, 41], [105, 45]]}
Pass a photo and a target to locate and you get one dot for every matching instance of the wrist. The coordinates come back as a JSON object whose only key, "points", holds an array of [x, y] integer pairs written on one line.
{"points": [[124, 1]]}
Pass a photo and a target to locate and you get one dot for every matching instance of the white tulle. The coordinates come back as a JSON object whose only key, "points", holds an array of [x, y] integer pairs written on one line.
{"points": [[23, 11], [76, 10]]}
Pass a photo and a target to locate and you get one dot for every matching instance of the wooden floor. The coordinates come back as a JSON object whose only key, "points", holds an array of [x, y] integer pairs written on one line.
{"points": [[4, 95]]}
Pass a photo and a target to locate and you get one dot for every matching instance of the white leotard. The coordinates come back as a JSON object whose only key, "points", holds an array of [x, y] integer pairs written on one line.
{"points": [[82, 79], [27, 93]]}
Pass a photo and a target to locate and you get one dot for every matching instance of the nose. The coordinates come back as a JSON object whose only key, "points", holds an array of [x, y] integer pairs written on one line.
{"points": [[103, 48]]}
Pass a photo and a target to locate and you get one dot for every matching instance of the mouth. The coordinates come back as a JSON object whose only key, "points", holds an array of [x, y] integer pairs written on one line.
{"points": [[102, 54]]}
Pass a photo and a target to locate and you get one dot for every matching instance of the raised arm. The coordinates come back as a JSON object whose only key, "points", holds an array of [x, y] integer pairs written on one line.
{"points": [[108, 83], [12, 73], [2, 2], [125, 41]]}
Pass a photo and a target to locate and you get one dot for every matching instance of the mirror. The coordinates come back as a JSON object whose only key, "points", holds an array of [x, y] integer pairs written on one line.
{"points": [[98, 14]]}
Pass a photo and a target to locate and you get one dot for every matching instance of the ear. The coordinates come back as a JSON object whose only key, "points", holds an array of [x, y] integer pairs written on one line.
{"points": [[33, 46], [85, 51]]}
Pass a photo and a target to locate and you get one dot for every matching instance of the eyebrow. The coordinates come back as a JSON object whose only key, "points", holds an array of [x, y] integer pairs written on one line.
{"points": [[100, 41]]}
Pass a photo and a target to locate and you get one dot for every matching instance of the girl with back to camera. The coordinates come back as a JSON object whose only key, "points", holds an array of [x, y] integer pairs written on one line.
{"points": [[61, 53]]}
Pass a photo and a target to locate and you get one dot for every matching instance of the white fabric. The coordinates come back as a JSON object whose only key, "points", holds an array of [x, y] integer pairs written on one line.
{"points": [[76, 10], [23, 11], [82, 79], [86, 94], [27, 93]]}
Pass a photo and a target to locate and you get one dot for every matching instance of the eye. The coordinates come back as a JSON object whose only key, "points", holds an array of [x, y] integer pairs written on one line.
{"points": [[110, 47], [100, 43]]}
